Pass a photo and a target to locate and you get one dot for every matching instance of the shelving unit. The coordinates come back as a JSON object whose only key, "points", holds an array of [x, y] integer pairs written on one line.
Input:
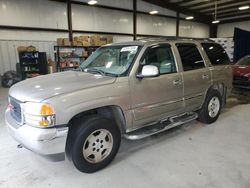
{"points": [[32, 64], [71, 57]]}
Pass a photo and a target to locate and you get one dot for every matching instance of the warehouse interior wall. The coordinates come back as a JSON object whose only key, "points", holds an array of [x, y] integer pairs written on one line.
{"points": [[53, 15], [227, 30], [193, 29]]}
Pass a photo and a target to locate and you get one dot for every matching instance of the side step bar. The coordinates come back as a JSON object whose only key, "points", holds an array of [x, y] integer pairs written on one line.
{"points": [[161, 126]]}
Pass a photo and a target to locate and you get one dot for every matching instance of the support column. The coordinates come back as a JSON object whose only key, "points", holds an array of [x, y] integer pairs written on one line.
{"points": [[69, 13], [213, 28], [177, 23], [134, 19]]}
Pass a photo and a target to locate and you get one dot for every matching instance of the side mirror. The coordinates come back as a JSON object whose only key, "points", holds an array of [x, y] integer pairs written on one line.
{"points": [[148, 71]]}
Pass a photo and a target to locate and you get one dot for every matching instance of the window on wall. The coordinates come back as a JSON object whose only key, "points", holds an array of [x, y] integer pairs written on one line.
{"points": [[216, 54], [190, 57], [161, 57]]}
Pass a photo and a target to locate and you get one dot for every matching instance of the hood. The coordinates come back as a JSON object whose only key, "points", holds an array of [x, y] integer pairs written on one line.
{"points": [[43, 87], [241, 70]]}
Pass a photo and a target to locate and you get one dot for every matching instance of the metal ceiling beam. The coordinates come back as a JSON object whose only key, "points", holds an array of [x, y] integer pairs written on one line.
{"points": [[208, 4], [224, 6], [247, 18], [188, 2], [225, 11], [234, 15], [176, 8]]}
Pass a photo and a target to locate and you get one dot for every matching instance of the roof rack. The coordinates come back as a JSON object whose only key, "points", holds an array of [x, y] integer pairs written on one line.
{"points": [[173, 38]]}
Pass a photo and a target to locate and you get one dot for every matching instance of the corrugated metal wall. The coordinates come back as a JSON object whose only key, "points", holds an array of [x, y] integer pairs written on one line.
{"points": [[9, 55]]}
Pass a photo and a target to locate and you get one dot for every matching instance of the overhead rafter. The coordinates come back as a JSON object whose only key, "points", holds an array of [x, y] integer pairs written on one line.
{"points": [[209, 4], [175, 7], [225, 6], [234, 15], [240, 19]]}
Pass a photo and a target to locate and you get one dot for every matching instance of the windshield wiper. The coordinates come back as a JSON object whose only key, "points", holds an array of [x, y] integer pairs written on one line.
{"points": [[94, 70]]}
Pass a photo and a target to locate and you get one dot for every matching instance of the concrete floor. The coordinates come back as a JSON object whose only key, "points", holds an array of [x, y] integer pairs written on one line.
{"points": [[191, 156]]}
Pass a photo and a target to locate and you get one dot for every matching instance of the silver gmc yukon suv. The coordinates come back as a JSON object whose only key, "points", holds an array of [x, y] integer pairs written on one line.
{"points": [[132, 89]]}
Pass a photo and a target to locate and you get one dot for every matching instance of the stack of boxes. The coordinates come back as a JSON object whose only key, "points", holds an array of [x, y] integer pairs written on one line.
{"points": [[85, 40]]}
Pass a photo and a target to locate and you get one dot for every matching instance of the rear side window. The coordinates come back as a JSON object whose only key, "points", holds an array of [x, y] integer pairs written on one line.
{"points": [[216, 54], [190, 57]]}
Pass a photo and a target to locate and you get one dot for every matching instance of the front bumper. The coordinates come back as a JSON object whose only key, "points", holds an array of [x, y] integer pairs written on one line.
{"points": [[46, 141]]}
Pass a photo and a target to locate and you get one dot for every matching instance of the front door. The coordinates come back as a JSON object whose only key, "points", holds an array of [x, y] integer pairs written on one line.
{"points": [[158, 97]]}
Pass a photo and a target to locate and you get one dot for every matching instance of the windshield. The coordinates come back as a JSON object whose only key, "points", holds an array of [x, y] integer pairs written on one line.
{"points": [[244, 61], [113, 60]]}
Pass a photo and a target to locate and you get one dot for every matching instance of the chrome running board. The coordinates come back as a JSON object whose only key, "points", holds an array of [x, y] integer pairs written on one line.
{"points": [[161, 126]]}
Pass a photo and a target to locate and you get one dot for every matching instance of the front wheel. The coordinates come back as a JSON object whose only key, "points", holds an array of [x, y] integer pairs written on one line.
{"points": [[94, 143], [211, 108]]}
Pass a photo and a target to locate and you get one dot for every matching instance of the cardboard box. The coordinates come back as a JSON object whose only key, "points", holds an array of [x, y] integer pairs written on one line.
{"points": [[84, 38], [95, 40], [75, 39], [109, 39], [60, 41], [66, 42], [85, 43], [31, 49], [85, 54], [21, 48], [103, 40], [74, 43], [79, 43]]}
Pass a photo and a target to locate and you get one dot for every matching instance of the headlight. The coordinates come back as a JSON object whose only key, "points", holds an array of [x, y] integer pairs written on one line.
{"points": [[39, 114]]}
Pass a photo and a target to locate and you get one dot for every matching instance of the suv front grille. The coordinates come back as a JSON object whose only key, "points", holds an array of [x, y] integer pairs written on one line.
{"points": [[16, 110]]}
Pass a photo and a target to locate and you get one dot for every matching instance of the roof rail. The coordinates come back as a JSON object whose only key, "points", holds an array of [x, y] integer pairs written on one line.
{"points": [[173, 38]]}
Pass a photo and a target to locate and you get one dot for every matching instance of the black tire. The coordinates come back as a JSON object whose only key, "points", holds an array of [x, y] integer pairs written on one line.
{"points": [[81, 131], [203, 113]]}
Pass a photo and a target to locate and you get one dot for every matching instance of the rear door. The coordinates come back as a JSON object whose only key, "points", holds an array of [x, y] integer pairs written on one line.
{"points": [[220, 64], [196, 76]]}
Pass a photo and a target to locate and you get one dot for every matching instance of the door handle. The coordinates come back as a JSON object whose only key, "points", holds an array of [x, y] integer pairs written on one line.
{"points": [[177, 82], [205, 76]]}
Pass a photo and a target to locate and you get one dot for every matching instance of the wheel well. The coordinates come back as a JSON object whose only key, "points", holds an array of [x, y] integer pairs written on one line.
{"points": [[222, 89], [112, 112]]}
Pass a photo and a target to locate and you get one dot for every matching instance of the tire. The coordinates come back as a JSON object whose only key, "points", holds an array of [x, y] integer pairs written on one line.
{"points": [[211, 107], [93, 143]]}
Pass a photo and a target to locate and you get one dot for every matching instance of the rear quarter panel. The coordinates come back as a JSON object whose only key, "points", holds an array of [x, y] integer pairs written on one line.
{"points": [[222, 74]]}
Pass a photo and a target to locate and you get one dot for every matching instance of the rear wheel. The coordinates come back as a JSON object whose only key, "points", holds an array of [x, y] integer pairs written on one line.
{"points": [[94, 143], [211, 108]]}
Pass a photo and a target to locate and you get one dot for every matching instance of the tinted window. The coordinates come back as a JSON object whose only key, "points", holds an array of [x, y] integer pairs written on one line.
{"points": [[244, 61], [160, 56], [216, 54], [190, 57]]}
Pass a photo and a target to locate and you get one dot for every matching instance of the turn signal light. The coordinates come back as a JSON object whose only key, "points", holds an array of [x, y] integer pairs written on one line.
{"points": [[46, 110]]}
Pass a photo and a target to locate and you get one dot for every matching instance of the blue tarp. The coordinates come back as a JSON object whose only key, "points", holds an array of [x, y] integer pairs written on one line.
{"points": [[241, 43]]}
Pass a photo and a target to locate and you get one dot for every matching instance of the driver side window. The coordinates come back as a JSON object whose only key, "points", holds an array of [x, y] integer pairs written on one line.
{"points": [[161, 57]]}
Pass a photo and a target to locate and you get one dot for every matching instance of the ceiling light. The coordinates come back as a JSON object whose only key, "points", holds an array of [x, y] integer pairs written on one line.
{"points": [[92, 2], [215, 13], [189, 18], [244, 7], [153, 12], [216, 21]]}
